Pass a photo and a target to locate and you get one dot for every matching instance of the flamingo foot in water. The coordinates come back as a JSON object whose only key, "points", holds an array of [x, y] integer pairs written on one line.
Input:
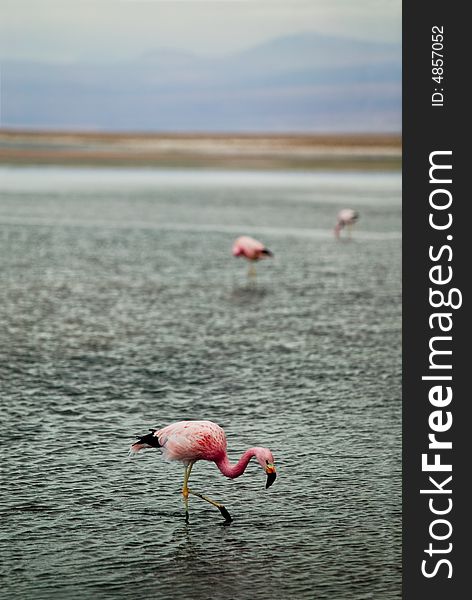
{"points": [[251, 272], [219, 506], [187, 516]]}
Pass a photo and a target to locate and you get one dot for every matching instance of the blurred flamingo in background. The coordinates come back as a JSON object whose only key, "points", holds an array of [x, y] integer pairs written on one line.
{"points": [[189, 441], [252, 250], [346, 218]]}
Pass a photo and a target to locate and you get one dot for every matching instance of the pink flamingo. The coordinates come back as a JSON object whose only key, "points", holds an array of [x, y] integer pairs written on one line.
{"points": [[346, 218], [252, 250], [189, 441]]}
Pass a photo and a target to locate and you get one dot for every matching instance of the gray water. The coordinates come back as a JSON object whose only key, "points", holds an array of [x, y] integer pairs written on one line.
{"points": [[121, 309]]}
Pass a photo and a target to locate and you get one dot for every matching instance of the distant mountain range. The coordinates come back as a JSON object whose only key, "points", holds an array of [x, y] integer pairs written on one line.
{"points": [[306, 82]]}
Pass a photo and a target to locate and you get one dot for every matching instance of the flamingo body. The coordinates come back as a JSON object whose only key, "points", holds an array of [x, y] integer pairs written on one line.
{"points": [[250, 248], [191, 441], [188, 441]]}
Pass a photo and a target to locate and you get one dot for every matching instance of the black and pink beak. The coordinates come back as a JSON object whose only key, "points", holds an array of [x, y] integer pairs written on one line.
{"points": [[267, 252], [271, 475]]}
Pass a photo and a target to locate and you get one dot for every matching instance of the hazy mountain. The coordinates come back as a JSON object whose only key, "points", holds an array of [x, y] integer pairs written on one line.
{"points": [[306, 82]]}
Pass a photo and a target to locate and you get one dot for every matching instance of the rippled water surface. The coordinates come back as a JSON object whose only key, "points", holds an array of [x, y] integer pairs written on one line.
{"points": [[121, 308]]}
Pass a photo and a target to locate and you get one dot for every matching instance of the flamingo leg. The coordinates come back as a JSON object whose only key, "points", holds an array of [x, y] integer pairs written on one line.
{"points": [[185, 490], [252, 271], [218, 505]]}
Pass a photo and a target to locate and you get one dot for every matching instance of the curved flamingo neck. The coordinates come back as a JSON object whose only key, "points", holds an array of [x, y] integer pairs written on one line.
{"points": [[238, 469]]}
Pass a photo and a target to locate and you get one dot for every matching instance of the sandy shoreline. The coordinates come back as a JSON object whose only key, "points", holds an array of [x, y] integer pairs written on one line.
{"points": [[226, 151]]}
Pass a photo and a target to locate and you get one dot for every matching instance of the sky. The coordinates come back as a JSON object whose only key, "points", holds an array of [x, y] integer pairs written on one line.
{"points": [[102, 30]]}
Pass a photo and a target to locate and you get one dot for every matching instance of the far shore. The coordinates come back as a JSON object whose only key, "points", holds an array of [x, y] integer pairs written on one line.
{"points": [[201, 150]]}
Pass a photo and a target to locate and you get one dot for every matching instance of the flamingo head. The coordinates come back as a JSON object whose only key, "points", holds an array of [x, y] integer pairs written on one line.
{"points": [[266, 459]]}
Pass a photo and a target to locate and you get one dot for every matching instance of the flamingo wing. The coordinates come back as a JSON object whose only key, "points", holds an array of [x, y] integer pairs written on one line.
{"points": [[187, 441]]}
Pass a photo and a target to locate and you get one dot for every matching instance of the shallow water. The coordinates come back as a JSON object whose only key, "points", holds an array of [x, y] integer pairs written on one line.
{"points": [[122, 309]]}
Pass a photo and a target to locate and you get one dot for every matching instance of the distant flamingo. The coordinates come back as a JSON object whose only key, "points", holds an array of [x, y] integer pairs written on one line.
{"points": [[346, 218], [252, 250], [189, 441]]}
